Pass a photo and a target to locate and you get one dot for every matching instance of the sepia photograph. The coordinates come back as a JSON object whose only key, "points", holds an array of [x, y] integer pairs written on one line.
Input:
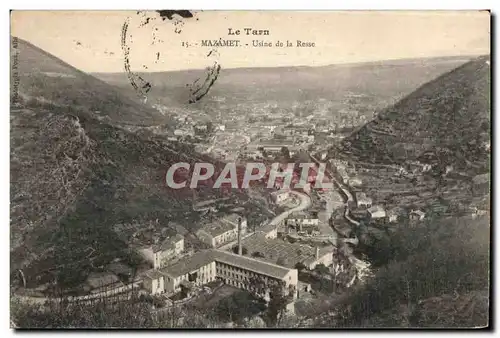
{"points": [[232, 170]]}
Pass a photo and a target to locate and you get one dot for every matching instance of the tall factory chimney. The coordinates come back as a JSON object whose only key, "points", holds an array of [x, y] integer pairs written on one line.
{"points": [[240, 249]]}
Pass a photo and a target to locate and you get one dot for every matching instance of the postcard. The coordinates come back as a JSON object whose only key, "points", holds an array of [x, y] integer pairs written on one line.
{"points": [[250, 169]]}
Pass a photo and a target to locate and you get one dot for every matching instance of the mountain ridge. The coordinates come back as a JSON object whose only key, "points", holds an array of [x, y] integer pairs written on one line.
{"points": [[74, 176], [424, 117], [44, 77]]}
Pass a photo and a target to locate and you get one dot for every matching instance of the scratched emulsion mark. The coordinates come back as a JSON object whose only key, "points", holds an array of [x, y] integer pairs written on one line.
{"points": [[199, 88]]}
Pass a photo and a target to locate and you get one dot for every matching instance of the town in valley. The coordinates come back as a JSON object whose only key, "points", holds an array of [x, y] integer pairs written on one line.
{"points": [[390, 228]]}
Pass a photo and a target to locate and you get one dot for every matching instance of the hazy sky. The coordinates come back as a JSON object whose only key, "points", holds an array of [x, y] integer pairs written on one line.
{"points": [[91, 40]]}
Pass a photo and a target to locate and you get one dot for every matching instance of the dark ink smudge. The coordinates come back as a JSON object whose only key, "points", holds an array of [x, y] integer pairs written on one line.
{"points": [[169, 14], [198, 89]]}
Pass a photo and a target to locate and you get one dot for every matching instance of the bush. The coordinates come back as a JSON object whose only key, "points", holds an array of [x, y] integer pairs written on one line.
{"points": [[300, 266], [321, 269], [244, 250], [445, 260]]}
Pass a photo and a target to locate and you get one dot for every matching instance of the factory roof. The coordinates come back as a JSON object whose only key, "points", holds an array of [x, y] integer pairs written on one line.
{"points": [[218, 228], [168, 243], [376, 208], [250, 264], [152, 274], [188, 264], [232, 218], [275, 249]]}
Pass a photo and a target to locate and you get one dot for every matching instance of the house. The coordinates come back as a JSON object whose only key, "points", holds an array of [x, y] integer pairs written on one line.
{"points": [[363, 201], [235, 220], [153, 282], [301, 220], [481, 184], [159, 254], [417, 215], [305, 138], [292, 130], [253, 154], [479, 207], [183, 132], [222, 231], [280, 196], [170, 247], [426, 167], [201, 127], [322, 256], [394, 214], [393, 217], [287, 131], [270, 231], [476, 212], [376, 212], [354, 182], [294, 150], [307, 188], [324, 216], [272, 146], [217, 234]]}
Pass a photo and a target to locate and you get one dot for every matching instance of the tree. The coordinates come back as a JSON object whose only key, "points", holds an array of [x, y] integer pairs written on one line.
{"points": [[435, 269], [285, 152], [321, 269], [238, 306], [282, 261], [300, 266], [210, 127], [244, 250], [277, 304], [257, 286], [103, 312]]}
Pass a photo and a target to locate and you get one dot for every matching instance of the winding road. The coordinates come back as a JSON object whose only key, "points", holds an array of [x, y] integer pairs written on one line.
{"points": [[361, 266], [344, 192], [305, 203]]}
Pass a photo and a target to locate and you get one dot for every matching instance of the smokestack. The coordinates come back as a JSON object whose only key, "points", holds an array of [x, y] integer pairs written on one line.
{"points": [[317, 252], [240, 249]]}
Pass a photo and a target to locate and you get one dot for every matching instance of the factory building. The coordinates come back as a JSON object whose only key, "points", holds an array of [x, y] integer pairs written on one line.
{"points": [[222, 231], [205, 266]]}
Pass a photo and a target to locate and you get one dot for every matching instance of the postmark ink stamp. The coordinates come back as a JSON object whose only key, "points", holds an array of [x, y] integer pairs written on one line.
{"points": [[197, 89]]}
